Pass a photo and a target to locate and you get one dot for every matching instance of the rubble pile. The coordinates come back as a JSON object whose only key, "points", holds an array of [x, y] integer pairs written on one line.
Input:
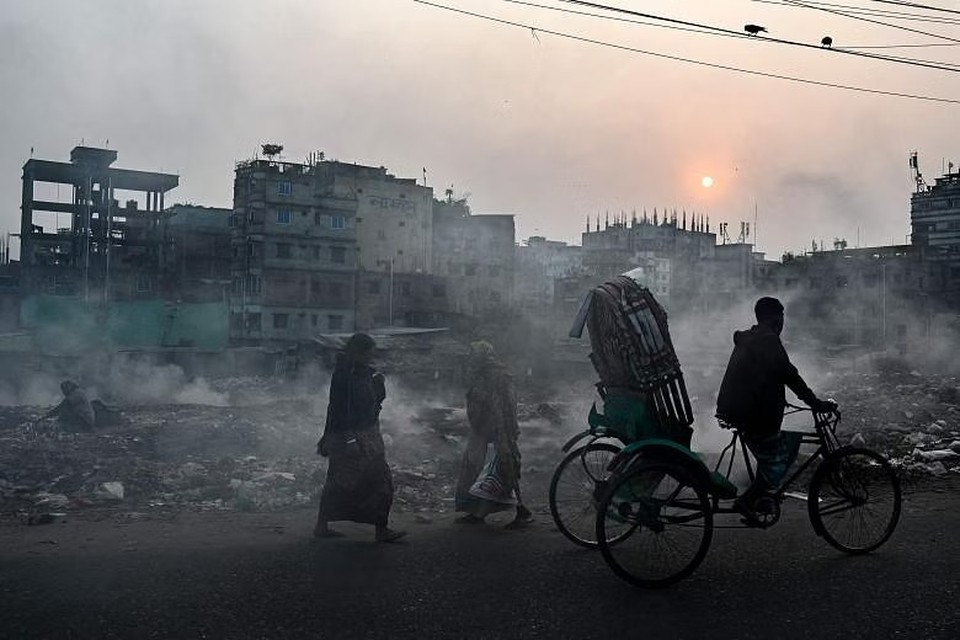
{"points": [[253, 446], [256, 454], [911, 417]]}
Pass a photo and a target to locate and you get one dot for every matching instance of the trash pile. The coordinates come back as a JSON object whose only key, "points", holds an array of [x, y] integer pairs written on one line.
{"points": [[255, 454], [911, 417], [248, 444]]}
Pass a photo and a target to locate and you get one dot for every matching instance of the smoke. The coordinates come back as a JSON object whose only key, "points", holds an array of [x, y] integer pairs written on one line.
{"points": [[116, 379]]}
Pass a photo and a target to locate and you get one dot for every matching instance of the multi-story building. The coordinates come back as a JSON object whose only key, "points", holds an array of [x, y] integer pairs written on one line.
{"points": [[935, 230], [294, 251], [394, 219], [196, 263], [645, 243], [400, 300], [475, 253], [90, 229], [867, 296], [538, 264]]}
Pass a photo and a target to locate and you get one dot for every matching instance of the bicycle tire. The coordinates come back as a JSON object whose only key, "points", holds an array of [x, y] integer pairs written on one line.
{"points": [[591, 495], [651, 513], [847, 476]]}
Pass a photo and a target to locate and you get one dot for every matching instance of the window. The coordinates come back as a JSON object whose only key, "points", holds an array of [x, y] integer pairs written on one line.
{"points": [[336, 291], [237, 287], [284, 216], [381, 234], [335, 323], [439, 290], [338, 222], [815, 283], [284, 188], [403, 223], [405, 289], [842, 282], [316, 252], [338, 255], [313, 319], [144, 284], [252, 249], [253, 322], [253, 285], [283, 251], [373, 286], [236, 321], [280, 320]]}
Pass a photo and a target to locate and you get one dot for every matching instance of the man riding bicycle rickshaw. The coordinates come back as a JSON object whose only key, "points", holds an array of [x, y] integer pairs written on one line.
{"points": [[752, 400]]}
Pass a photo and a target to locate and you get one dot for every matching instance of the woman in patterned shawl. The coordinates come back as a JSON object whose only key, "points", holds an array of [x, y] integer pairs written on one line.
{"points": [[359, 486], [490, 484]]}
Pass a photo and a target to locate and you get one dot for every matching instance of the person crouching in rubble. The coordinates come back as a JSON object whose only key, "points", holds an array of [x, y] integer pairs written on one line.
{"points": [[752, 399], [358, 487], [489, 480], [75, 410]]}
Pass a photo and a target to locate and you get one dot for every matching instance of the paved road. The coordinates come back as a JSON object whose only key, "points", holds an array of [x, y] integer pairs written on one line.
{"points": [[261, 576]]}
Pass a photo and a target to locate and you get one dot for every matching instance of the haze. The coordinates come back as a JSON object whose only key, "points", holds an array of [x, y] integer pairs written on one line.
{"points": [[526, 122]]}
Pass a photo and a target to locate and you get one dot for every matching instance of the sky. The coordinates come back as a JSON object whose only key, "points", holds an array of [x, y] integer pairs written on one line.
{"points": [[526, 122]]}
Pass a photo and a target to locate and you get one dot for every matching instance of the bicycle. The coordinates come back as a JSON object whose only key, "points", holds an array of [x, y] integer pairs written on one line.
{"points": [[655, 519], [579, 481]]}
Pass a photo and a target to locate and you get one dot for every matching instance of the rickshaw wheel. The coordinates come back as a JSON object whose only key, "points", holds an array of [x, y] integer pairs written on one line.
{"points": [[577, 486], [655, 523]]}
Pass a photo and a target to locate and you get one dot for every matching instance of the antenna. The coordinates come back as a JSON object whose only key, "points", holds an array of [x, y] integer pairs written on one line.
{"points": [[917, 176]]}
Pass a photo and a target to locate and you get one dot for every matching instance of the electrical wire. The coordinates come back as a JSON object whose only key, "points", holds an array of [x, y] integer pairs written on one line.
{"points": [[872, 21], [713, 65], [929, 64], [877, 13], [915, 5]]}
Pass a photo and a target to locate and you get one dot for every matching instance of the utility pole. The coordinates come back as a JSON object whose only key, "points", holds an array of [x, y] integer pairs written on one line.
{"points": [[390, 298]]}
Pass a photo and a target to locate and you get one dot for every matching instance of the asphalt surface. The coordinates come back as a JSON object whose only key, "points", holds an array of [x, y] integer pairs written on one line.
{"points": [[263, 576]]}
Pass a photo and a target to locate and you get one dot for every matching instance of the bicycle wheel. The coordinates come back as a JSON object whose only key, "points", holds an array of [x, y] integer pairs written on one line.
{"points": [[655, 524], [854, 500], [576, 488]]}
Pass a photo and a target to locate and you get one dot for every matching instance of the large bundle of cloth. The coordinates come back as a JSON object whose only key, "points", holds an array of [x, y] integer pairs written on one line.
{"points": [[632, 351]]}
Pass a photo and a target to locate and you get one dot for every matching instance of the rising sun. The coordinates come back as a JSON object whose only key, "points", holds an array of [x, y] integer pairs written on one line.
{"points": [[707, 182]]}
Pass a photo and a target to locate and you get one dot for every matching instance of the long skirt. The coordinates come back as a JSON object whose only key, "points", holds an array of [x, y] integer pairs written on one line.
{"points": [[359, 486], [480, 488]]}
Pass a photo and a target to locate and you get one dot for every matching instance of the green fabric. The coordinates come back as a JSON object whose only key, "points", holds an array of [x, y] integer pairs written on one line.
{"points": [[631, 419]]}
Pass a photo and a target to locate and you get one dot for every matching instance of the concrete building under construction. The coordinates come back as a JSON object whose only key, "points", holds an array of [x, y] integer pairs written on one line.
{"points": [[90, 229]]}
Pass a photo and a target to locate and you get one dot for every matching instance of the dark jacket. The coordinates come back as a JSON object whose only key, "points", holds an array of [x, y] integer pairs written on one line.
{"points": [[356, 395], [752, 394]]}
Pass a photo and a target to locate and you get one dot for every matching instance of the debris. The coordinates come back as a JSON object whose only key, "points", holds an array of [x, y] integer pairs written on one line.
{"points": [[112, 490], [41, 518], [857, 440], [938, 454]]}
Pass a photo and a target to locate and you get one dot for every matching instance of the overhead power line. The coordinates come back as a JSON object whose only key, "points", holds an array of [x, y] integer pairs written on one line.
{"points": [[871, 20], [713, 65], [916, 5], [714, 30], [733, 34], [877, 13]]}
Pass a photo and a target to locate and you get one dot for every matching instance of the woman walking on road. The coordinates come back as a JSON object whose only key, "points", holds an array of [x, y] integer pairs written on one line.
{"points": [[358, 487], [489, 480]]}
